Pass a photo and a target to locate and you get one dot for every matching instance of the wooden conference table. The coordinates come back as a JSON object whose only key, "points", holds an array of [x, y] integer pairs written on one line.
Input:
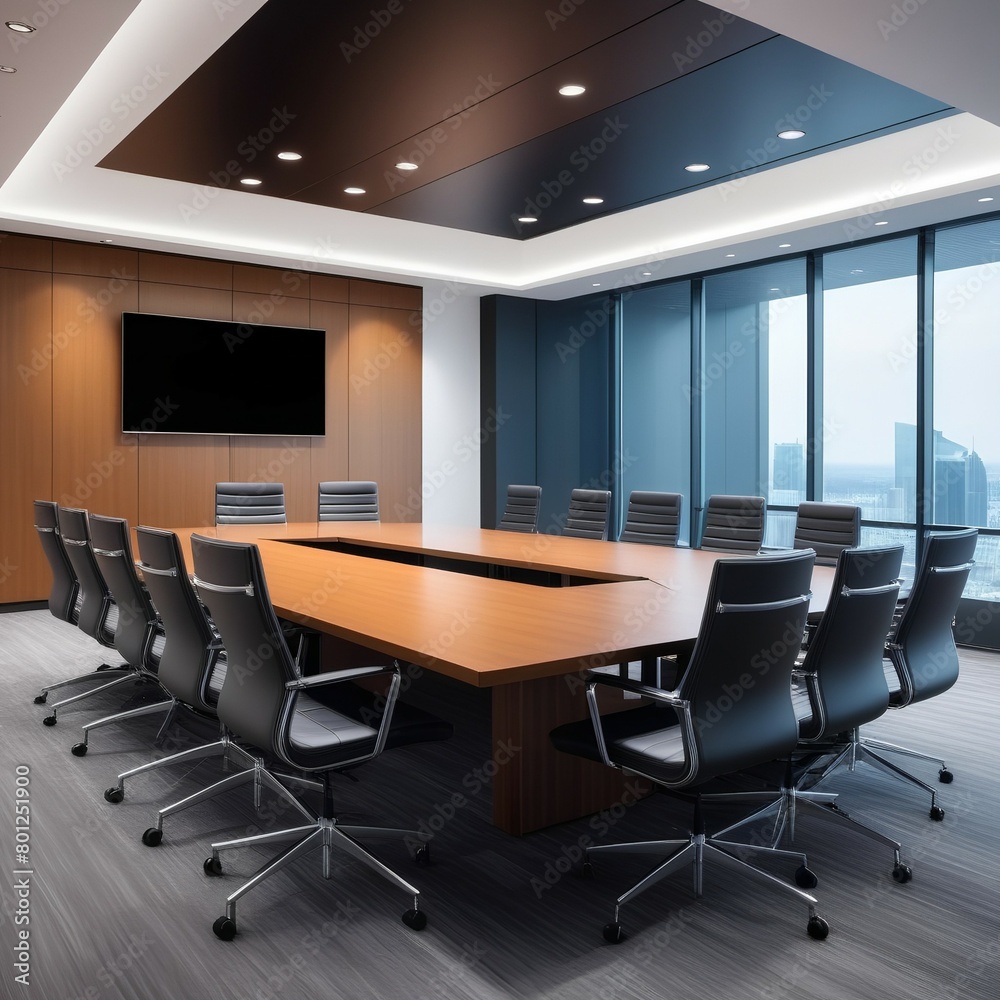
{"points": [[439, 597]]}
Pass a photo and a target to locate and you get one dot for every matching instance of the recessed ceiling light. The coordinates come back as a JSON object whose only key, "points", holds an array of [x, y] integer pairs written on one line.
{"points": [[730, 255], [19, 26], [593, 201], [697, 168], [572, 90], [406, 165], [354, 190], [647, 274], [882, 222], [984, 199], [791, 133], [774, 289], [7, 69], [289, 155], [251, 181], [784, 246], [105, 241], [526, 218], [857, 270], [595, 284]]}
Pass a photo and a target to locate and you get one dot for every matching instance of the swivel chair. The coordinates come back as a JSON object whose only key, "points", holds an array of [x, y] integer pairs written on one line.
{"points": [[266, 702], [652, 518], [65, 600], [839, 685], [589, 514], [734, 524], [139, 631], [348, 501], [250, 503], [827, 529], [690, 735], [521, 510]]}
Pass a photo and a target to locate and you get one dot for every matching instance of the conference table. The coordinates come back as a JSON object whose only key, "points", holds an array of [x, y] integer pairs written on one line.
{"points": [[525, 615]]}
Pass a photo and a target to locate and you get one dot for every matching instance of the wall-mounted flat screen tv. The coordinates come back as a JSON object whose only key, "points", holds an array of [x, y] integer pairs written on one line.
{"points": [[200, 376]]}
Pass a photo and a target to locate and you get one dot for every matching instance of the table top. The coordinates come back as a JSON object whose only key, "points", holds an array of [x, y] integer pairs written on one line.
{"points": [[478, 629]]}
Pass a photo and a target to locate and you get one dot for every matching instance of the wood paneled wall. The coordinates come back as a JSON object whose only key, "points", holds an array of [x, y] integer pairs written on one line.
{"points": [[60, 394]]}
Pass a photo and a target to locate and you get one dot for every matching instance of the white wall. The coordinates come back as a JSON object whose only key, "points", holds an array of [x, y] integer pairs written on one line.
{"points": [[452, 431]]}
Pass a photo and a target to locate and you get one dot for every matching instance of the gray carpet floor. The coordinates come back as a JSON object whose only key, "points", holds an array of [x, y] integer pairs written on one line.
{"points": [[508, 917]]}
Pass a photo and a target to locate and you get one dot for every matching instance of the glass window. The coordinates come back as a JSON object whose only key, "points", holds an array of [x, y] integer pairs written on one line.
{"points": [[656, 394], [752, 387], [870, 378]]}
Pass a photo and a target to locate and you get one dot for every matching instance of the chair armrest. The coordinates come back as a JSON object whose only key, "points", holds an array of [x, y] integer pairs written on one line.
{"points": [[636, 687], [338, 676]]}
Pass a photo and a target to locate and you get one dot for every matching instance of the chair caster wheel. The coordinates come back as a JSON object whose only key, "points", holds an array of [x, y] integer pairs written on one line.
{"points": [[224, 928], [152, 837], [49, 720], [212, 866], [805, 878], [415, 919], [945, 776], [587, 869], [937, 813], [423, 856], [613, 933], [114, 795], [818, 928], [41, 699], [902, 873], [79, 749]]}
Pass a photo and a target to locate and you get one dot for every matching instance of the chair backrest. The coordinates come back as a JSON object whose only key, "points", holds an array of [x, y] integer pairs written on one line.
{"points": [[137, 623], [827, 529], [65, 587], [589, 514], [734, 524], [653, 518], [738, 679], [521, 511], [98, 615], [253, 703], [249, 503], [923, 648], [193, 648], [843, 665], [348, 501]]}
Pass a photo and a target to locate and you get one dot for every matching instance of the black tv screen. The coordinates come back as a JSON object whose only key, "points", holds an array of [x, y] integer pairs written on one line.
{"points": [[200, 376]]}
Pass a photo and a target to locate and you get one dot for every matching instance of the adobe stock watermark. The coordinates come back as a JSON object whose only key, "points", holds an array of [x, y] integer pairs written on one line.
{"points": [[772, 146], [367, 31], [463, 450], [899, 16], [425, 145], [88, 309], [92, 138], [247, 150], [45, 11], [697, 44], [579, 162], [913, 167]]}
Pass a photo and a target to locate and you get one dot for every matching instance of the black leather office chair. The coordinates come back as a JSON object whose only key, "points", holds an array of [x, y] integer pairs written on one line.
{"points": [[139, 631], [267, 702], [701, 730], [521, 510], [921, 650], [652, 518], [98, 613], [348, 501], [250, 503], [839, 686], [734, 524], [827, 529], [65, 600], [589, 514]]}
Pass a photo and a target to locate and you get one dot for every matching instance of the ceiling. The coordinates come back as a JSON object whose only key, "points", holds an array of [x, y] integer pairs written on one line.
{"points": [[135, 123]]}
